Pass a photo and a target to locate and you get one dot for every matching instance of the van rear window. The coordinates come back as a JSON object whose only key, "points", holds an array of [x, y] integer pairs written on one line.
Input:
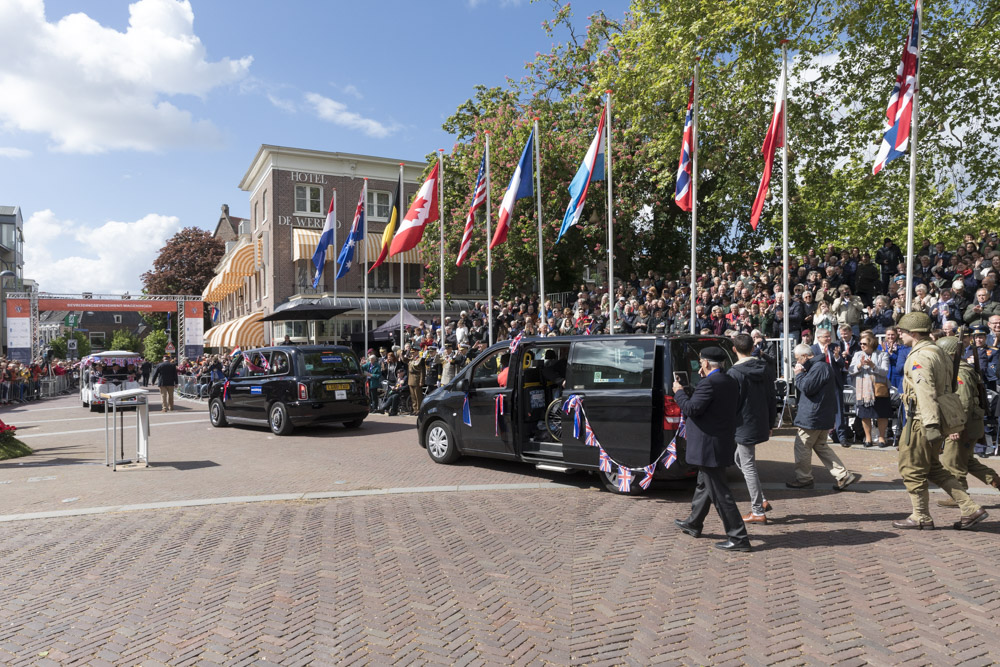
{"points": [[329, 362], [617, 364], [686, 357]]}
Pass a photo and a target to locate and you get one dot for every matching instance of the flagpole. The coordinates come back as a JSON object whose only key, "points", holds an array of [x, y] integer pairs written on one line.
{"points": [[399, 220], [440, 184], [335, 246], [611, 222], [913, 168], [543, 315], [489, 257], [694, 197], [787, 357], [364, 235]]}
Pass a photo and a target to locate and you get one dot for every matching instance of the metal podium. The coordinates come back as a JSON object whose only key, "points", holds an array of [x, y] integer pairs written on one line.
{"points": [[114, 426]]}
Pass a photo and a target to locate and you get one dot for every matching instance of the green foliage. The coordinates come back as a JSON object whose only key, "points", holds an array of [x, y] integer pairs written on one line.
{"points": [[154, 345], [124, 339], [58, 345]]}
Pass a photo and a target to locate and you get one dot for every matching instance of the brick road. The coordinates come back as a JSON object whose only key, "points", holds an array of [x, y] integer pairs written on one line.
{"points": [[548, 575]]}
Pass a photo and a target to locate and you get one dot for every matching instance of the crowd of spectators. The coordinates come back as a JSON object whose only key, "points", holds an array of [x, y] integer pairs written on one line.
{"points": [[21, 382]]}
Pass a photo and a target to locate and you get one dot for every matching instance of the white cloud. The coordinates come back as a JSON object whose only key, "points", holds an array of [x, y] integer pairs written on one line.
{"points": [[92, 89], [353, 91], [337, 113], [67, 256], [282, 103], [7, 151]]}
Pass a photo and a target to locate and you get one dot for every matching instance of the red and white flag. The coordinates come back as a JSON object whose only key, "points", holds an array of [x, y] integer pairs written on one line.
{"points": [[775, 139], [424, 209], [478, 199]]}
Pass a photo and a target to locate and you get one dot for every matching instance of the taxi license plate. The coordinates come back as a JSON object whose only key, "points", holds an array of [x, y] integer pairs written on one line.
{"points": [[339, 386]]}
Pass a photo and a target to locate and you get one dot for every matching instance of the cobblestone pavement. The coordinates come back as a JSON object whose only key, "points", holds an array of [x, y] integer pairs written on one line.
{"points": [[551, 575]]}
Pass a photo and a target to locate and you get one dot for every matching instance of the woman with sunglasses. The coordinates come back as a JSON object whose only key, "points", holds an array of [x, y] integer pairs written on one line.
{"points": [[870, 371]]}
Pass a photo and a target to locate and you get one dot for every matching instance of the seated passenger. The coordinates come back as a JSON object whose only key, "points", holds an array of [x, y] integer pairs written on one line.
{"points": [[502, 376], [553, 369]]}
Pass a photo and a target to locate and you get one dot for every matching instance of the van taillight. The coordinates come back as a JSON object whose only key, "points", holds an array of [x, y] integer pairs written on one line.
{"points": [[303, 392], [671, 414]]}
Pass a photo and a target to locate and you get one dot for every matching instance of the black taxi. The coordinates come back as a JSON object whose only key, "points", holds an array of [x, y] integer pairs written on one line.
{"points": [[290, 385], [625, 387]]}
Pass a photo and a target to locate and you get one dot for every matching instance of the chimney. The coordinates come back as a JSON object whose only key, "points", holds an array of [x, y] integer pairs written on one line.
{"points": [[225, 210]]}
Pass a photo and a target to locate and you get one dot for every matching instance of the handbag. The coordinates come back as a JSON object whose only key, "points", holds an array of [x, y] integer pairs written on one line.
{"points": [[881, 390]]}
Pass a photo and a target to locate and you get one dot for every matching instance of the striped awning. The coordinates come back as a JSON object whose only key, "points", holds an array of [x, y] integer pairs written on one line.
{"points": [[246, 332], [305, 242], [237, 266]]}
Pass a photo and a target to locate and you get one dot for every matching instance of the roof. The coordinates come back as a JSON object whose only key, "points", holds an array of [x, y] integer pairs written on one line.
{"points": [[334, 163], [8, 210]]}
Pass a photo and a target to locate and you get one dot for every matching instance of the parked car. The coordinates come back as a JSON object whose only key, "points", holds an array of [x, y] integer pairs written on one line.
{"points": [[625, 383], [106, 372], [286, 386]]}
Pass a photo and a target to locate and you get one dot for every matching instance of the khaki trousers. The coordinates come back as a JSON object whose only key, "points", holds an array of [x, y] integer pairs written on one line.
{"points": [[416, 396], [958, 459], [920, 464], [167, 399], [807, 442]]}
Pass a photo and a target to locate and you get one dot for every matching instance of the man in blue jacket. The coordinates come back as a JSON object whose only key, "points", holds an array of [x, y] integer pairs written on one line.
{"points": [[814, 416], [710, 414]]}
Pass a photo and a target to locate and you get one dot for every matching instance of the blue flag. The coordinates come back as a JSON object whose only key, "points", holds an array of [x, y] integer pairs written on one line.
{"points": [[466, 413], [356, 236]]}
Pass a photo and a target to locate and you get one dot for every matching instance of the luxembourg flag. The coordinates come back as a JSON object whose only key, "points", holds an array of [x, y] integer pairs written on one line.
{"points": [[521, 186], [423, 210], [325, 240], [682, 194], [900, 111], [592, 169]]}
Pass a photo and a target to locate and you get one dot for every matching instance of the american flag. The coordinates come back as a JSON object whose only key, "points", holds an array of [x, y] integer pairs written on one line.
{"points": [[900, 109], [648, 479], [625, 478], [605, 461], [682, 193], [478, 198]]}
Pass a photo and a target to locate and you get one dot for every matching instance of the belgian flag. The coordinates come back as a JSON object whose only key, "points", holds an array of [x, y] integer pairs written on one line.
{"points": [[390, 228]]}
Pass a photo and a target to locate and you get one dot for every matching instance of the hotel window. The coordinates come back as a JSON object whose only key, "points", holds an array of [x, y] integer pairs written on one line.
{"points": [[382, 277], [477, 279], [263, 204], [256, 214], [379, 205], [308, 199]]}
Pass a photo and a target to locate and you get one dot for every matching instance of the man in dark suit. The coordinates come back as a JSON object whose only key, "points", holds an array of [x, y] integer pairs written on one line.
{"points": [[829, 352], [710, 413], [165, 377]]}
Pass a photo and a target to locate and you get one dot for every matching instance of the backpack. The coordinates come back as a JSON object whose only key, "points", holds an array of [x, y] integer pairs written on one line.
{"points": [[953, 415]]}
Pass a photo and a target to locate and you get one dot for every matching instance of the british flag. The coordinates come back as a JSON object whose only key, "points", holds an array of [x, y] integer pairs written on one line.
{"points": [[478, 198], [671, 454], [574, 403], [605, 461], [589, 438], [625, 478], [900, 110], [682, 194], [648, 479], [515, 343]]}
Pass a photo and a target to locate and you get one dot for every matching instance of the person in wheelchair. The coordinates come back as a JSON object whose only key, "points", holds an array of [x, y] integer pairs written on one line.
{"points": [[398, 391]]}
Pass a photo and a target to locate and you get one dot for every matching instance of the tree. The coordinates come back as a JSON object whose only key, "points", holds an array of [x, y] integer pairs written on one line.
{"points": [[185, 264], [124, 339], [154, 345], [83, 348]]}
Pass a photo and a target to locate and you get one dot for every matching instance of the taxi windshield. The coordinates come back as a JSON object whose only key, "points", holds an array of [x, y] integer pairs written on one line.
{"points": [[329, 362]]}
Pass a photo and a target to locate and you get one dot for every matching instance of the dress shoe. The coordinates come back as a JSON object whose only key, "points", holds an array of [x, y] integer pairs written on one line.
{"points": [[867, 444], [970, 520], [909, 523], [767, 506], [754, 518], [851, 478], [800, 485], [688, 528], [947, 502], [729, 545]]}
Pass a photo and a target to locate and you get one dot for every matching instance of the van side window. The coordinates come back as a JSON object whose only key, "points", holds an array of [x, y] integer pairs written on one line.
{"points": [[256, 364], [484, 373], [238, 369], [686, 358], [279, 363], [617, 364]]}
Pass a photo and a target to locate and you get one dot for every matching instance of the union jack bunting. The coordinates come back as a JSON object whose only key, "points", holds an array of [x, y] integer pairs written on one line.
{"points": [[682, 193], [648, 479], [466, 412], [671, 454], [625, 478], [254, 368], [515, 343], [605, 461], [225, 390], [681, 430], [497, 412], [900, 109], [478, 198], [575, 403], [589, 438]]}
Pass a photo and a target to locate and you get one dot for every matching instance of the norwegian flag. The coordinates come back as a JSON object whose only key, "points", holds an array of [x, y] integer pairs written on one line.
{"points": [[900, 109], [497, 413], [648, 479], [682, 193], [605, 461], [516, 342], [589, 438], [478, 198], [625, 478]]}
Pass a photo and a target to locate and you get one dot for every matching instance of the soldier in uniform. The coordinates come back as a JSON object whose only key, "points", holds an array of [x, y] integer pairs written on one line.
{"points": [[957, 457], [986, 355], [928, 375]]}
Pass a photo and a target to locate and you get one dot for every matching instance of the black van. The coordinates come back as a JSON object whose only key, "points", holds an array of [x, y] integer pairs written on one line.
{"points": [[625, 382], [290, 385]]}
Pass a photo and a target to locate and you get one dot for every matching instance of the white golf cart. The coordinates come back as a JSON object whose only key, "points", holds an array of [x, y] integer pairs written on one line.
{"points": [[105, 372]]}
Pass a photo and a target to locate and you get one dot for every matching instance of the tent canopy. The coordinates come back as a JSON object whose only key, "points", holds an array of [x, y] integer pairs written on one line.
{"points": [[393, 324], [306, 309]]}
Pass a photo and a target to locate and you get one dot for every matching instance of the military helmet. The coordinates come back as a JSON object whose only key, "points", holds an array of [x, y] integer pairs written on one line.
{"points": [[915, 323], [949, 344]]}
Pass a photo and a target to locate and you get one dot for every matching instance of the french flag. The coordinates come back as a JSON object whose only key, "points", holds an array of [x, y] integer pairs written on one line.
{"points": [[592, 169], [900, 111], [774, 139], [521, 186], [682, 194], [325, 240]]}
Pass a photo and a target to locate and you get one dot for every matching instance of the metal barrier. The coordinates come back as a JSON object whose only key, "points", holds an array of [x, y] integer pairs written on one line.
{"points": [[187, 386]]}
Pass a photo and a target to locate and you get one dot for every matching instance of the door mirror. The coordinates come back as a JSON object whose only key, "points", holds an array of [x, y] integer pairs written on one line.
{"points": [[462, 384]]}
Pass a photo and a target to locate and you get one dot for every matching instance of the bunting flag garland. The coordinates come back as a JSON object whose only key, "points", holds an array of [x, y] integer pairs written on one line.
{"points": [[648, 479], [466, 412], [225, 390], [605, 461], [625, 478], [589, 438], [497, 412], [575, 403], [671, 454]]}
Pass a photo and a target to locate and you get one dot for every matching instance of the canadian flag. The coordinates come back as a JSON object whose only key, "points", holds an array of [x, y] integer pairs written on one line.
{"points": [[775, 139], [423, 210]]}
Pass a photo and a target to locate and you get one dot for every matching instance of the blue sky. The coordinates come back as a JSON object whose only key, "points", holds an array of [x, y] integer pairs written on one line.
{"points": [[123, 122]]}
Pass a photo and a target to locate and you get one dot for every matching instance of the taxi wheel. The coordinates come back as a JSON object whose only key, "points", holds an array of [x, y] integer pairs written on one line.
{"points": [[610, 480], [354, 424], [278, 420], [440, 442], [217, 413]]}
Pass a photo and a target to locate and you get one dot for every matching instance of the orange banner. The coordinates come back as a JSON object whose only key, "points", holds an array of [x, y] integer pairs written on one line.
{"points": [[108, 305], [194, 309], [18, 308]]}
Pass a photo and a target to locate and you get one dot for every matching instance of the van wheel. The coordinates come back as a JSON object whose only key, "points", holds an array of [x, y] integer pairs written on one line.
{"points": [[217, 413], [440, 442], [278, 420], [610, 480], [354, 424]]}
